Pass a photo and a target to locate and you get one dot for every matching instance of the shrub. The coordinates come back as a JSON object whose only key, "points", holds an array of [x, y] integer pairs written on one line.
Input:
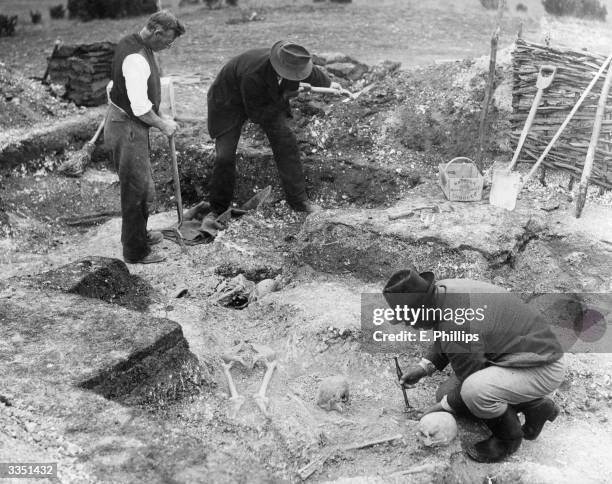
{"points": [[57, 12], [36, 17], [232, 3], [7, 25], [591, 9], [91, 9]]}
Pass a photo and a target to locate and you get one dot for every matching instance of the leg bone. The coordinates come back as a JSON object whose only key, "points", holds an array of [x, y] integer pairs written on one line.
{"points": [[260, 397], [236, 399]]}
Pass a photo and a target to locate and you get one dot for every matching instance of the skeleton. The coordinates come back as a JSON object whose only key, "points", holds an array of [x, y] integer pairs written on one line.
{"points": [[248, 355], [333, 393]]}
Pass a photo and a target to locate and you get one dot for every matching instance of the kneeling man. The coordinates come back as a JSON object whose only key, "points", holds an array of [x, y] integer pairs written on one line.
{"points": [[505, 357]]}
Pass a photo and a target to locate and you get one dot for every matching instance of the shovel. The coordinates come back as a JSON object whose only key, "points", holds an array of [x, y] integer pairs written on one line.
{"points": [[507, 190], [305, 87], [175, 172], [504, 181]]}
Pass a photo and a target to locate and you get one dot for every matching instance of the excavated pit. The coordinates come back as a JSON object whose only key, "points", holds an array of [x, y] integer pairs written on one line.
{"points": [[326, 261], [333, 182]]}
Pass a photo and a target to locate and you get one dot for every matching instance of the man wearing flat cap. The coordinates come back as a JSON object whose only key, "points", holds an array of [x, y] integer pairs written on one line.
{"points": [[134, 109], [504, 356], [257, 85]]}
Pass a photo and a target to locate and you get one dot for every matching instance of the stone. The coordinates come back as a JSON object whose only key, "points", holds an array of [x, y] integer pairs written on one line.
{"points": [[333, 393], [575, 257]]}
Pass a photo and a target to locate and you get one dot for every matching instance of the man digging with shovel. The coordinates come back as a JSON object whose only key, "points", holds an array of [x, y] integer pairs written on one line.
{"points": [[504, 356], [133, 109], [257, 85]]}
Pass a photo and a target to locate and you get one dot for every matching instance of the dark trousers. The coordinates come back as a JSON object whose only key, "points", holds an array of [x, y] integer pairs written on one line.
{"points": [[286, 155], [129, 142]]}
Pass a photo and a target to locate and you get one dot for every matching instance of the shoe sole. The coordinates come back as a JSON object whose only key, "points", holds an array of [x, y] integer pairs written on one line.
{"points": [[473, 454], [551, 418]]}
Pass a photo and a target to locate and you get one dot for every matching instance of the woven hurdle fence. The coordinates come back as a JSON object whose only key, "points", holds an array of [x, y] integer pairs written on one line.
{"points": [[575, 70]]}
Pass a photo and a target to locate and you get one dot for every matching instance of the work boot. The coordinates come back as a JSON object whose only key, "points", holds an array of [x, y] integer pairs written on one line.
{"points": [[154, 237], [505, 441], [152, 258], [305, 206], [537, 412]]}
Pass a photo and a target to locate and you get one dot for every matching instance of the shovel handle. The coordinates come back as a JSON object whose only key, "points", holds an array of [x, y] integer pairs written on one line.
{"points": [[325, 90], [177, 182], [526, 128], [545, 78], [567, 119]]}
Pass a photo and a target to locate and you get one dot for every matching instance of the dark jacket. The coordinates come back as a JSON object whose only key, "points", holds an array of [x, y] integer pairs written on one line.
{"points": [[133, 44], [511, 333], [247, 88]]}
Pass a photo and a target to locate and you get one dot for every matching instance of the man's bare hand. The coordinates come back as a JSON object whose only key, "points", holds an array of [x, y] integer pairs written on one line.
{"points": [[169, 126], [412, 375], [336, 85]]}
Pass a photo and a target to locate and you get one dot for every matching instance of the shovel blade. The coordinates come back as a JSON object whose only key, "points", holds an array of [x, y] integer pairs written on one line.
{"points": [[505, 189]]}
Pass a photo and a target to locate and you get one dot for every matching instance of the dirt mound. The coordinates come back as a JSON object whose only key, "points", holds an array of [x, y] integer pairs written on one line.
{"points": [[431, 108], [24, 102]]}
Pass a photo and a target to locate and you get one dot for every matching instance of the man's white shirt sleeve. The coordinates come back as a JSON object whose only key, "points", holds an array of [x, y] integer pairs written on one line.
{"points": [[136, 72]]}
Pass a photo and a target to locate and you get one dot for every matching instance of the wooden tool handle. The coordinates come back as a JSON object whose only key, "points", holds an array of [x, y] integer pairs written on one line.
{"points": [[567, 119], [96, 135], [590, 156], [526, 128], [177, 183], [325, 90]]}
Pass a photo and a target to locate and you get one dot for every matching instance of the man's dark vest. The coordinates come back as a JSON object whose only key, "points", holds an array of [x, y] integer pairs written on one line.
{"points": [[133, 44]]}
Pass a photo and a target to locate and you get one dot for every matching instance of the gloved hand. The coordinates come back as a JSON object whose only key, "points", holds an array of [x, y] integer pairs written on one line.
{"points": [[412, 375]]}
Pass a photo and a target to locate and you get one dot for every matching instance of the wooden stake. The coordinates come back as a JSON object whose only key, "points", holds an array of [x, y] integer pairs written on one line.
{"points": [[488, 95], [590, 156]]}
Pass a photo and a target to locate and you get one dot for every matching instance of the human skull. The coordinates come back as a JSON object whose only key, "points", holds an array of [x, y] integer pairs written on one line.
{"points": [[333, 393], [437, 429]]}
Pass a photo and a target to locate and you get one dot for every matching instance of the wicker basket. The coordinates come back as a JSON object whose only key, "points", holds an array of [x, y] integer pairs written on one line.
{"points": [[460, 180]]}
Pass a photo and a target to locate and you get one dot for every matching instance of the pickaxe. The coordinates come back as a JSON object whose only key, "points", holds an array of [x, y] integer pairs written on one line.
{"points": [[399, 377]]}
